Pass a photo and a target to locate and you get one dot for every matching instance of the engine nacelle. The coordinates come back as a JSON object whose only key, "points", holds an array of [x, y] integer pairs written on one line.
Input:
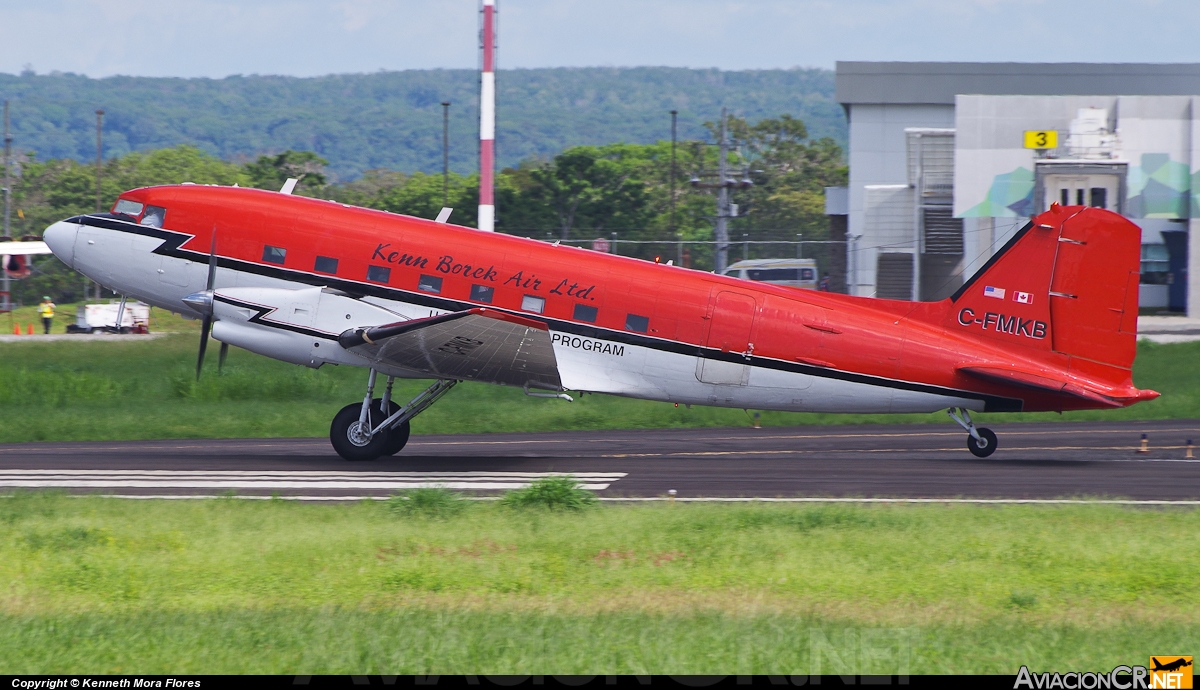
{"points": [[297, 326]]}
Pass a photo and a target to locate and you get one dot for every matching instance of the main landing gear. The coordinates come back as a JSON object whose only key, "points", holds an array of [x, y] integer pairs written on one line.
{"points": [[378, 426], [981, 442]]}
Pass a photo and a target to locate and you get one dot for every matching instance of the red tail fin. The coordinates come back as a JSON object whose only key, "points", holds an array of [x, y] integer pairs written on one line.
{"points": [[1066, 283]]}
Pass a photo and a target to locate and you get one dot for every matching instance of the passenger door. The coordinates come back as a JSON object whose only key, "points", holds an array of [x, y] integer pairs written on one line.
{"points": [[730, 327]]}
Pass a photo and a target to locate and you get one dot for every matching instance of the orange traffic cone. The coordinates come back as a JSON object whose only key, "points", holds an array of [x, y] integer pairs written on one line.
{"points": [[28, 329], [17, 329]]}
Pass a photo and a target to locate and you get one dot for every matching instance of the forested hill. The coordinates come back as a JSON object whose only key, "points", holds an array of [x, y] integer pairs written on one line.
{"points": [[393, 120]]}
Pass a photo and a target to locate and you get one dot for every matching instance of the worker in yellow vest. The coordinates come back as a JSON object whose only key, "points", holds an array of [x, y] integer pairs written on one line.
{"points": [[46, 309]]}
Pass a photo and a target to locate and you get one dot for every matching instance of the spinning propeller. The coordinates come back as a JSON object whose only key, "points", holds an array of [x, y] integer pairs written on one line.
{"points": [[203, 303]]}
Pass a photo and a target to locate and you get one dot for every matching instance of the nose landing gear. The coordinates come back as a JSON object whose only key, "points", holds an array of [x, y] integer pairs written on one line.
{"points": [[378, 426], [981, 441]]}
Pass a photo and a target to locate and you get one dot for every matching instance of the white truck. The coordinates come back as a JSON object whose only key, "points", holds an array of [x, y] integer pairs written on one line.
{"points": [[102, 318]]}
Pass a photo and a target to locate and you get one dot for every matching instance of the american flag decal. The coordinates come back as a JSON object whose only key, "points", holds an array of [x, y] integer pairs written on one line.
{"points": [[996, 292]]}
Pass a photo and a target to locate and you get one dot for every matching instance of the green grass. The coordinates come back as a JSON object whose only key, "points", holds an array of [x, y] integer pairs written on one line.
{"points": [[51, 391], [550, 493], [90, 585]]}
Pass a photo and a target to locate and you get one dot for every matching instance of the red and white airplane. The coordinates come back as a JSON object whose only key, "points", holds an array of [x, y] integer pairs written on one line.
{"points": [[1049, 323]]}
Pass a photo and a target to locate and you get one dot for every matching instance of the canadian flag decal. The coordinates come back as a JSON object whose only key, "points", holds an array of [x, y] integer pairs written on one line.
{"points": [[1023, 297]]}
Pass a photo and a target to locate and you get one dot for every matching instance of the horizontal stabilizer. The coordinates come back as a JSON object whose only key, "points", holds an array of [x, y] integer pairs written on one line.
{"points": [[1058, 383]]}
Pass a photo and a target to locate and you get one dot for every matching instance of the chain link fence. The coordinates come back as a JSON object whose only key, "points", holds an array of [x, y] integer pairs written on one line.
{"points": [[829, 255]]}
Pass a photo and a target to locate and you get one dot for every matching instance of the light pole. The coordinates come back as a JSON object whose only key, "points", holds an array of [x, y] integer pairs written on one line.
{"points": [[99, 153], [7, 175], [7, 306], [723, 185], [99, 172], [674, 232], [445, 154]]}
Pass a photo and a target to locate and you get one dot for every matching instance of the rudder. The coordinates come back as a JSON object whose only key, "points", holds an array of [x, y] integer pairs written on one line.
{"points": [[1068, 283]]}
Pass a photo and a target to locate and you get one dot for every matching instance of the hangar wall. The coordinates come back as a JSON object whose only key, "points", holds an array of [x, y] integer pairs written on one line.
{"points": [[1136, 154]]}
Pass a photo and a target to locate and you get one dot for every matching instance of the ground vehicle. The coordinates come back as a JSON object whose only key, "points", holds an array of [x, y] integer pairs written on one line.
{"points": [[801, 273], [92, 318]]}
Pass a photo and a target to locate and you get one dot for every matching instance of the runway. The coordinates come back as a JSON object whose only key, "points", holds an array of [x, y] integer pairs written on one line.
{"points": [[1033, 462]]}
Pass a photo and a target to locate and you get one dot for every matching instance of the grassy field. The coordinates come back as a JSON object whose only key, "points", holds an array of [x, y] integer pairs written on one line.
{"points": [[109, 586], [130, 390]]}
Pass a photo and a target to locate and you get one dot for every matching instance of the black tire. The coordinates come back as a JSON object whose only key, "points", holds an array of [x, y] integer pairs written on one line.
{"points": [[397, 437], [340, 434], [982, 450]]}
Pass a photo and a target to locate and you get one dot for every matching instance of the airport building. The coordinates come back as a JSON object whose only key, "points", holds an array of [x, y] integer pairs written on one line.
{"points": [[948, 160]]}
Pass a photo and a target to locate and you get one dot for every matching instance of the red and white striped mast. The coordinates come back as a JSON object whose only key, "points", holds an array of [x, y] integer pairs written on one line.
{"points": [[487, 120]]}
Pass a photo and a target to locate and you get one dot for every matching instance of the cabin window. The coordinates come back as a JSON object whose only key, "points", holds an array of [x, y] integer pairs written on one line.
{"points": [[429, 284], [274, 255], [325, 264], [128, 208], [534, 304], [379, 274], [155, 215], [734, 273], [637, 324], [808, 274], [482, 293], [585, 313]]}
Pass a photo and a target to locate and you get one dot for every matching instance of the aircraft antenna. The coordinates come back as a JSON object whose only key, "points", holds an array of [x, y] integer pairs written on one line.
{"points": [[487, 119]]}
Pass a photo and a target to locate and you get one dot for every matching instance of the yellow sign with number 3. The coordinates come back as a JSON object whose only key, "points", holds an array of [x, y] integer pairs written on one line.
{"points": [[1042, 139]]}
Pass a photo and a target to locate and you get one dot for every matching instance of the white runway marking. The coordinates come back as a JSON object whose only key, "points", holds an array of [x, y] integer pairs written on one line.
{"points": [[225, 480], [714, 499]]}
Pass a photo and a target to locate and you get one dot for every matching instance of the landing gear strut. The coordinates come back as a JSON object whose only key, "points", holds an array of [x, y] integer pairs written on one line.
{"points": [[378, 426], [981, 441]]}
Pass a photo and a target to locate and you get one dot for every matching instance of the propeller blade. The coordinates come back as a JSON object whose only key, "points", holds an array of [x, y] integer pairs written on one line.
{"points": [[221, 359], [212, 261], [206, 325], [204, 329]]}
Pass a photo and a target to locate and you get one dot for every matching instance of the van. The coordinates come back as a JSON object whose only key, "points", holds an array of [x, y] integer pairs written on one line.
{"points": [[801, 273]]}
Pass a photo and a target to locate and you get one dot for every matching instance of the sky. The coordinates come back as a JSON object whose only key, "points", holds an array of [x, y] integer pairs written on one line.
{"points": [[216, 38]]}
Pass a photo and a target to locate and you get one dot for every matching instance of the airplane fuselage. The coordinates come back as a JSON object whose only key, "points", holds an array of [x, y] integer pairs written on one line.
{"points": [[618, 325]]}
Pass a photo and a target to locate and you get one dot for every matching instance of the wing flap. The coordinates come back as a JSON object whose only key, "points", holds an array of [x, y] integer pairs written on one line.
{"points": [[477, 344]]}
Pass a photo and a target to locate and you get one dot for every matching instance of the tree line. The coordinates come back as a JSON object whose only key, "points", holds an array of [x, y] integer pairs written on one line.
{"points": [[583, 193], [393, 119]]}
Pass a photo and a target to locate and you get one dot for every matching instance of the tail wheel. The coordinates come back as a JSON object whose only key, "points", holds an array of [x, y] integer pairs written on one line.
{"points": [[984, 447], [349, 439]]}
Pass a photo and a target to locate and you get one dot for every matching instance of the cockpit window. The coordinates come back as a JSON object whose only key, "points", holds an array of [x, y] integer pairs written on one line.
{"points": [[155, 215], [128, 208]]}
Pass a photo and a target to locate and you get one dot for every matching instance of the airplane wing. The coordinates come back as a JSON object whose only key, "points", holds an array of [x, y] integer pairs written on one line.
{"points": [[23, 248], [476, 344]]}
